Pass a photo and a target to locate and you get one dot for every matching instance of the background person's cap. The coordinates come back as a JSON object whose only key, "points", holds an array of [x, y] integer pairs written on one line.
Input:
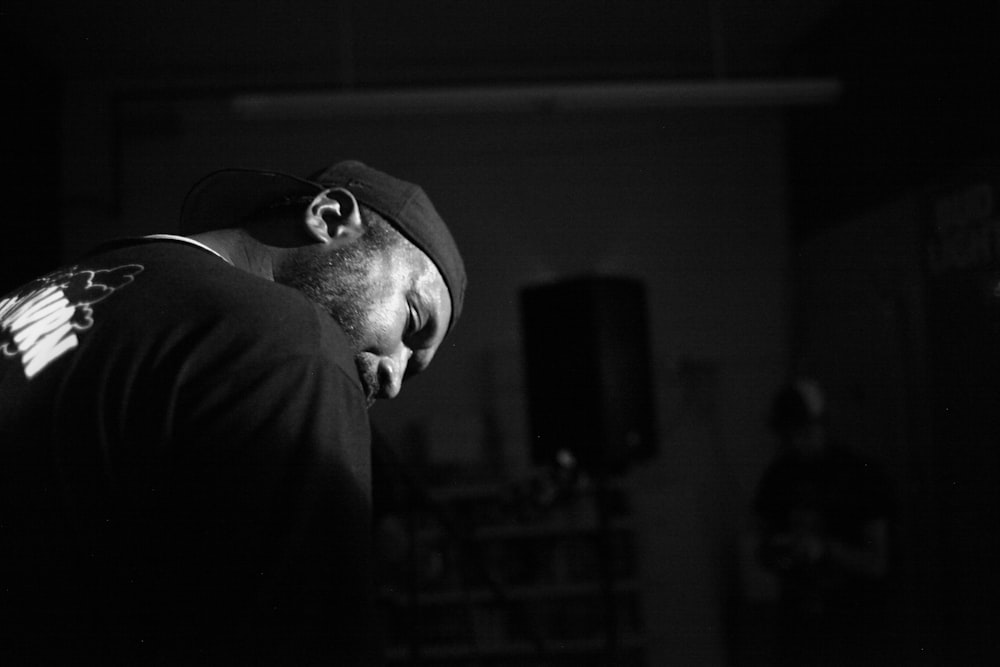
{"points": [[797, 405], [227, 197]]}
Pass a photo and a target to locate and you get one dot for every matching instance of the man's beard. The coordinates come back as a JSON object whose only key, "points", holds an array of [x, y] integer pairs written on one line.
{"points": [[368, 372], [340, 284]]}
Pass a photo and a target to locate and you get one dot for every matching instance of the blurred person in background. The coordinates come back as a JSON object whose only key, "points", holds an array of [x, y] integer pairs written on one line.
{"points": [[825, 518]]}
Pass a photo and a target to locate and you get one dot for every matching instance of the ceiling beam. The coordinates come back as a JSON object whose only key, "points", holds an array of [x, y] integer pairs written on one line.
{"points": [[534, 98]]}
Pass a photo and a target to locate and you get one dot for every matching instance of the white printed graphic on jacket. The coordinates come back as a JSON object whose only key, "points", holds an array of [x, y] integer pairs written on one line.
{"points": [[40, 322]]}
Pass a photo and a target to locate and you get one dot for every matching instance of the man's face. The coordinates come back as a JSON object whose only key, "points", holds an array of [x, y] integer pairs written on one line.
{"points": [[404, 321], [393, 305]]}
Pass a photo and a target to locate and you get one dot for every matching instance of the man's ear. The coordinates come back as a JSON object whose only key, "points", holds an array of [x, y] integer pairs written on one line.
{"points": [[333, 215]]}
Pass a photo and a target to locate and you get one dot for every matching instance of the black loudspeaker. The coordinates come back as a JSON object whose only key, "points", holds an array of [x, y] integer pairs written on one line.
{"points": [[588, 372]]}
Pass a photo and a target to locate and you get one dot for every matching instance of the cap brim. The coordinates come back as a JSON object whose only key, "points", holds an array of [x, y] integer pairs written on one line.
{"points": [[224, 198]]}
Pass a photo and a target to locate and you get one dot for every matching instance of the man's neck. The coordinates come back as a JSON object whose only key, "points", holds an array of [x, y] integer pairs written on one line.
{"points": [[241, 250]]}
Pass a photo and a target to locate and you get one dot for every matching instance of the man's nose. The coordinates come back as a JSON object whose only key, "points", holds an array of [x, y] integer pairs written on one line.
{"points": [[391, 370]]}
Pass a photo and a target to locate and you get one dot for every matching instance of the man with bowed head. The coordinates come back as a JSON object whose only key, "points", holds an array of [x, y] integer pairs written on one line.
{"points": [[184, 438]]}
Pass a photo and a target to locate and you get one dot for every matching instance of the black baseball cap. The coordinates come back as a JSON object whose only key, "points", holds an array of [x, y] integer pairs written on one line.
{"points": [[225, 198]]}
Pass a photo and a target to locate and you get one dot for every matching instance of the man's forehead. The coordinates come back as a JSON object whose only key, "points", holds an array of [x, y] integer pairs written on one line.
{"points": [[428, 296], [432, 290]]}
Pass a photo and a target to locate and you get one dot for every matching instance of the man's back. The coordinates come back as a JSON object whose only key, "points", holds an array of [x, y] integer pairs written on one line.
{"points": [[184, 467]]}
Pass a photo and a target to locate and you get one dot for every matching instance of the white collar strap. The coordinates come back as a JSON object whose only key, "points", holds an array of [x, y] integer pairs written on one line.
{"points": [[185, 239]]}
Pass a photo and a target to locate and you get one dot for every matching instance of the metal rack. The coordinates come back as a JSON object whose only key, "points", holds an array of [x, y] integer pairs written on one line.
{"points": [[496, 579]]}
